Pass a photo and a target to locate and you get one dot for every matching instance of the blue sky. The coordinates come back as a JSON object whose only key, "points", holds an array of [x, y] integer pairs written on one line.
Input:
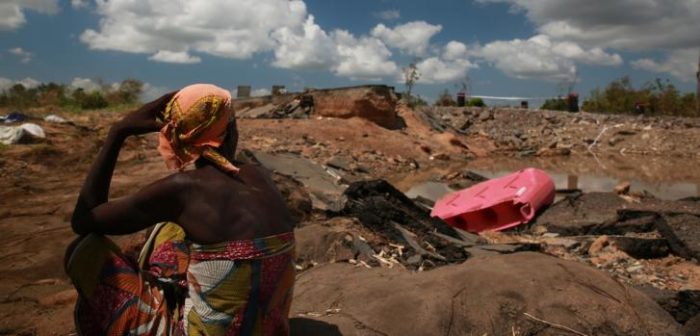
{"points": [[522, 48]]}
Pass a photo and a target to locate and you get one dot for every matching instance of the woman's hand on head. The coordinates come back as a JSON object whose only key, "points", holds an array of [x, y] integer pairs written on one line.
{"points": [[144, 119]]}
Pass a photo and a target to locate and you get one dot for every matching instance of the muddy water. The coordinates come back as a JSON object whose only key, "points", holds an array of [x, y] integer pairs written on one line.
{"points": [[666, 178]]}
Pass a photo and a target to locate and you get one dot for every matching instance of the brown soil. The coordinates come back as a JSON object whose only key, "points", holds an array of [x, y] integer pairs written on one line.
{"points": [[39, 183]]}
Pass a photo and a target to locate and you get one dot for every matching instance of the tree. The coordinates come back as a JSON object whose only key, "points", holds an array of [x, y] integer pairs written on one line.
{"points": [[94, 100], [658, 97], [476, 102], [555, 104], [128, 92], [52, 94], [411, 76], [131, 90], [445, 99]]}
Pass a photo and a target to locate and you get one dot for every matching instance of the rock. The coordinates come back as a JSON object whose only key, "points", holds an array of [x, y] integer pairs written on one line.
{"points": [[485, 115], [682, 305], [440, 156], [380, 207], [429, 190], [630, 221], [638, 248], [683, 234], [414, 259], [491, 249], [581, 214], [467, 298], [340, 162], [552, 144], [642, 248], [598, 245], [623, 188], [563, 242], [615, 140], [325, 193], [317, 243], [692, 326], [295, 195], [546, 151], [265, 111]]}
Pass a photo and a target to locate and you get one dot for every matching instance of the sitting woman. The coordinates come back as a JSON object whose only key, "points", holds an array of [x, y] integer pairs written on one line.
{"points": [[220, 260]]}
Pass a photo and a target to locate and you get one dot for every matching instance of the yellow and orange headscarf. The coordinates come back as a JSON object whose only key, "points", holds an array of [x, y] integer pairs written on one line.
{"points": [[196, 121]]}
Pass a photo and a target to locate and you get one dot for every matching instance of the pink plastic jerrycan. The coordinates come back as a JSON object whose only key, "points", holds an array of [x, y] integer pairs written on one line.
{"points": [[497, 204]]}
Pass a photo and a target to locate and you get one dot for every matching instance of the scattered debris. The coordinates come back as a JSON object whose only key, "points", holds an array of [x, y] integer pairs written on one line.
{"points": [[10, 135]]}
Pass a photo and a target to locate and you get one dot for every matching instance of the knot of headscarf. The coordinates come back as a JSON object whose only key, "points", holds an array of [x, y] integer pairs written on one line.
{"points": [[196, 121]]}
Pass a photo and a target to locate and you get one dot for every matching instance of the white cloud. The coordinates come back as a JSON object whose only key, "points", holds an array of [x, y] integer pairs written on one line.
{"points": [[84, 83], [310, 47], [362, 58], [306, 47], [388, 15], [226, 28], [573, 51], [29, 82], [527, 59], [25, 56], [182, 57], [452, 65], [622, 24], [634, 25], [78, 4], [541, 58], [12, 11], [454, 50], [412, 37], [682, 64], [435, 70]]}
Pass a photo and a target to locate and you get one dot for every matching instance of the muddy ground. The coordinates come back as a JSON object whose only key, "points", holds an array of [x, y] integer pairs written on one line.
{"points": [[630, 239]]}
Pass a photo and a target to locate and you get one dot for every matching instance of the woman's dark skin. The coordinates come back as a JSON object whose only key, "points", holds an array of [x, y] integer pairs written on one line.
{"points": [[211, 205]]}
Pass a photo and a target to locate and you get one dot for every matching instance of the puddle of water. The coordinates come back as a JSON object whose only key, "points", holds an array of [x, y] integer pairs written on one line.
{"points": [[589, 183], [666, 178], [431, 190]]}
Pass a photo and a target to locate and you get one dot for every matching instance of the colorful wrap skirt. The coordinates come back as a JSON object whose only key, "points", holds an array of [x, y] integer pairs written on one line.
{"points": [[181, 288]]}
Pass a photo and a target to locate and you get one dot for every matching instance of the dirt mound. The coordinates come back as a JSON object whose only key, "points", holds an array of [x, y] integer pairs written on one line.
{"points": [[518, 294], [375, 103]]}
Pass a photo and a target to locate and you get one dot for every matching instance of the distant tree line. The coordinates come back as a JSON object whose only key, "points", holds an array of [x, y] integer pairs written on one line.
{"points": [[446, 99], [52, 94], [658, 97]]}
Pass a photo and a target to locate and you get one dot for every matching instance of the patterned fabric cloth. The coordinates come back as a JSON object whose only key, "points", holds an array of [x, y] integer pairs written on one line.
{"points": [[181, 288], [240, 287], [195, 123], [114, 297]]}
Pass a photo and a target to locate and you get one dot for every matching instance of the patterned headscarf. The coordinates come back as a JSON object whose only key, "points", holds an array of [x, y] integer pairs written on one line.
{"points": [[196, 121]]}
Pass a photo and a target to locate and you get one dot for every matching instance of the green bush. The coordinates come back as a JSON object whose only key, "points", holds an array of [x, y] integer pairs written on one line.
{"points": [[657, 98], [93, 100], [555, 104], [476, 102], [52, 94], [445, 99]]}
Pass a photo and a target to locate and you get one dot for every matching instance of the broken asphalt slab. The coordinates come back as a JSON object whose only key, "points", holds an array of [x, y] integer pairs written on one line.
{"points": [[683, 234], [323, 186]]}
